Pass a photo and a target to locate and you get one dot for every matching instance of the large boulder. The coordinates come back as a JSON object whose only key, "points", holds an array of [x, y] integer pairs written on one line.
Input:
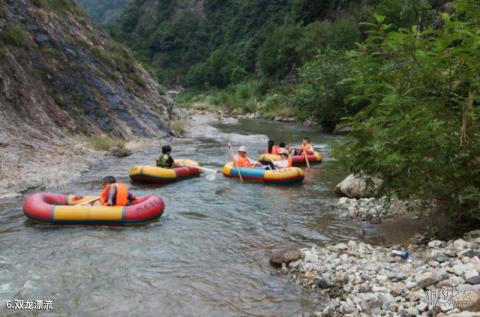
{"points": [[354, 186], [286, 257]]}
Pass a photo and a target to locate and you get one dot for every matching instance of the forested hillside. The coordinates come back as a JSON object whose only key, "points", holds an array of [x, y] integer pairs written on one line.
{"points": [[103, 11]]}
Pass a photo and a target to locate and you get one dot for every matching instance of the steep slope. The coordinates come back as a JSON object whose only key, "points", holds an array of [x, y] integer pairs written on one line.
{"points": [[60, 77], [103, 11]]}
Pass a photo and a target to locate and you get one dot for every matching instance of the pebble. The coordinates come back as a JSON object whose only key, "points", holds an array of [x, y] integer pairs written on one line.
{"points": [[362, 280]]}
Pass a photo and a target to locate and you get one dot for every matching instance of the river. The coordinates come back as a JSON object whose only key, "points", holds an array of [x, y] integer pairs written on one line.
{"points": [[207, 256]]}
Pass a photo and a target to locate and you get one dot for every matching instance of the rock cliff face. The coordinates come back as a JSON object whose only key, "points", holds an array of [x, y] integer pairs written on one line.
{"points": [[61, 77], [59, 74]]}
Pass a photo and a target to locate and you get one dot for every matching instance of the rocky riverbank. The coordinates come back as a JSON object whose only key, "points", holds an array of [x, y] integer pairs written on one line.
{"points": [[438, 279]]}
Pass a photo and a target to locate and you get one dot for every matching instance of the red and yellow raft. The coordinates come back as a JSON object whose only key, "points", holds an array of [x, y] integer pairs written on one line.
{"points": [[66, 209], [153, 174], [297, 160], [284, 176]]}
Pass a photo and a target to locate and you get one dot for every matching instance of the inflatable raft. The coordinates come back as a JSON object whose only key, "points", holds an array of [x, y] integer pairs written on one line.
{"points": [[285, 176], [63, 209], [297, 160], [154, 174]]}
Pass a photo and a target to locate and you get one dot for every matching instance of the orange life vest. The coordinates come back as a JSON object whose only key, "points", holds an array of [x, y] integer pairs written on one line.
{"points": [[308, 148], [121, 195], [242, 161], [275, 150]]}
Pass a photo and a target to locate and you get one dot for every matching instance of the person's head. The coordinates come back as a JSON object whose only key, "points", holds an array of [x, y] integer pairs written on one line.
{"points": [[271, 143], [284, 155], [306, 140], [109, 180], [242, 151], [282, 144], [166, 149]]}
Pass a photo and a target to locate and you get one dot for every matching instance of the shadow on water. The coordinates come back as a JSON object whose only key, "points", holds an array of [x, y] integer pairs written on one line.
{"points": [[207, 256]]}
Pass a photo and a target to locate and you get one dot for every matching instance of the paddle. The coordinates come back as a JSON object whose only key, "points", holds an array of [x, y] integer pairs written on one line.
{"points": [[306, 156], [229, 145], [209, 177], [88, 202]]}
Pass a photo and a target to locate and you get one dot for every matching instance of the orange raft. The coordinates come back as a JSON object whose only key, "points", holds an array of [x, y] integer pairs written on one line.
{"points": [[67, 209]]}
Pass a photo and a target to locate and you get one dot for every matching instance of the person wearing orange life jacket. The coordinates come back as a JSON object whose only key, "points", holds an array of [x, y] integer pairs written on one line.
{"points": [[306, 147], [241, 159], [272, 148], [281, 148], [285, 161], [115, 194]]}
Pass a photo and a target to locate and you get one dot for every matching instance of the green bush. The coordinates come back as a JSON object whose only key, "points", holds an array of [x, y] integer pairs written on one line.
{"points": [[419, 132], [104, 143], [15, 34]]}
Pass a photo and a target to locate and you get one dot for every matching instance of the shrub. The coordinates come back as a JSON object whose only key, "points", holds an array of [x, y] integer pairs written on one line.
{"points": [[15, 34], [104, 143]]}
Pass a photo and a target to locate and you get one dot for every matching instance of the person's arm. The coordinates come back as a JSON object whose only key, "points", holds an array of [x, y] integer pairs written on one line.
{"points": [[253, 162], [171, 162], [112, 190]]}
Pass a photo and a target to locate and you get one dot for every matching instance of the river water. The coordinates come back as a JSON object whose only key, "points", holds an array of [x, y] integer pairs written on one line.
{"points": [[207, 256]]}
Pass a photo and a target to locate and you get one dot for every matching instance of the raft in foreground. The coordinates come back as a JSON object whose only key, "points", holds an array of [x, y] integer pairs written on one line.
{"points": [[154, 174], [297, 160], [63, 209], [285, 176]]}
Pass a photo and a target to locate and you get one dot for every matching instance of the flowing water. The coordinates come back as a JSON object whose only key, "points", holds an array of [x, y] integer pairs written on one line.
{"points": [[207, 255]]}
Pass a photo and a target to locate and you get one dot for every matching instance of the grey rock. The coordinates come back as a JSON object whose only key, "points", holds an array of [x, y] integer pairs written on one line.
{"points": [[461, 244], [323, 283], [471, 253], [120, 152], [285, 256], [474, 280], [428, 278], [435, 244]]}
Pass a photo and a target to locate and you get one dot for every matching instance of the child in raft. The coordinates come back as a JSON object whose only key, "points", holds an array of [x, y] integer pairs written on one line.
{"points": [[165, 160], [114, 194], [285, 161]]}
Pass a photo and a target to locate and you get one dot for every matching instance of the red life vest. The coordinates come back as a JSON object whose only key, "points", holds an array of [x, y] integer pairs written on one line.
{"points": [[121, 194]]}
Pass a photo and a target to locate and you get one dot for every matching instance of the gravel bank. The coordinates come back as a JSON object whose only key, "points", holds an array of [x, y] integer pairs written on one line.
{"points": [[439, 279]]}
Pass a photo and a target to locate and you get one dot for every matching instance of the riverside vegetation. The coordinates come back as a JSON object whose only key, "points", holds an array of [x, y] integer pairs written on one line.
{"points": [[402, 76]]}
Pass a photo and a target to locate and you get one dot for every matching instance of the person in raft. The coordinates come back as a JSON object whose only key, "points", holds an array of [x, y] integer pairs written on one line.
{"points": [[286, 159], [165, 160], [241, 159], [306, 147], [115, 194], [272, 148], [281, 148]]}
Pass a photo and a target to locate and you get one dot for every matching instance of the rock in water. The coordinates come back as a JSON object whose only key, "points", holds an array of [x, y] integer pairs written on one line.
{"points": [[120, 152], [358, 186], [286, 257]]}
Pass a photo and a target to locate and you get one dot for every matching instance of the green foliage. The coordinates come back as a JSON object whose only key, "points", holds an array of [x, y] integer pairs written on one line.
{"points": [[323, 94], [53, 5], [102, 11], [15, 34], [104, 143], [405, 13], [419, 132]]}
